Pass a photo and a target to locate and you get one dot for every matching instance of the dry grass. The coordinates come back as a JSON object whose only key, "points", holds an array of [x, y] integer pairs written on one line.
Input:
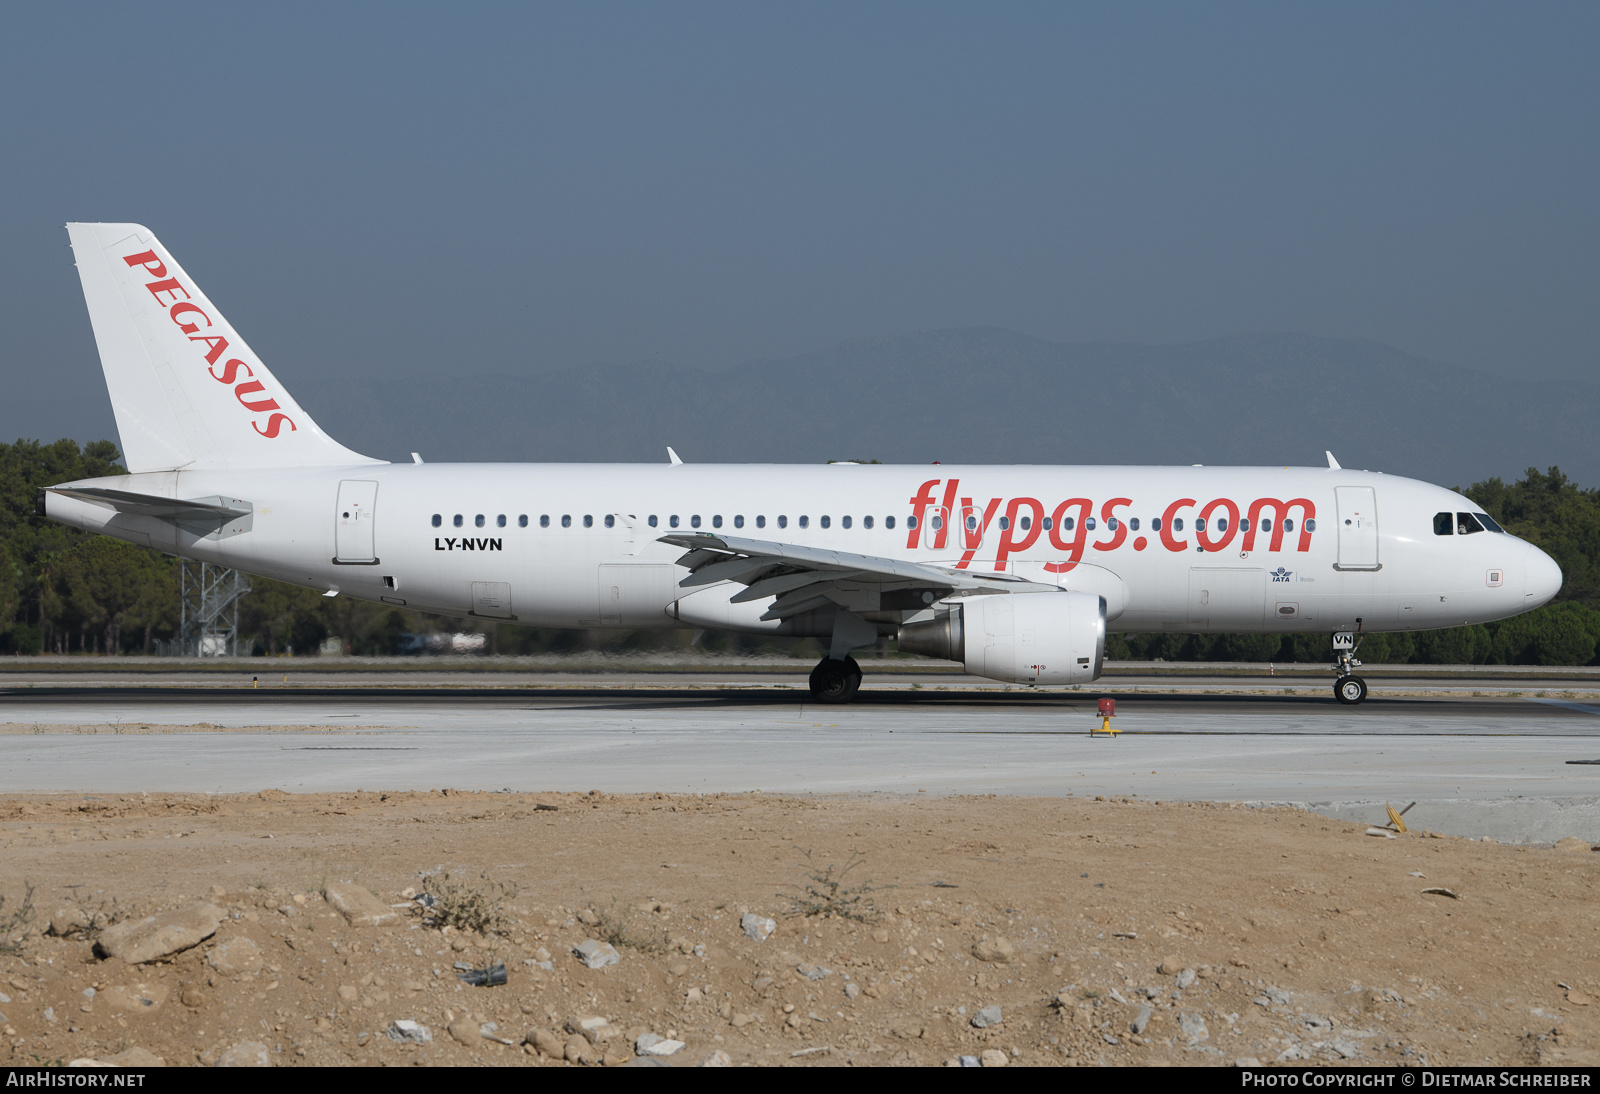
{"points": [[825, 893], [613, 926], [476, 905], [14, 924]]}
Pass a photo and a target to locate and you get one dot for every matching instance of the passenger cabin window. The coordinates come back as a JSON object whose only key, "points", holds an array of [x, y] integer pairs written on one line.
{"points": [[1067, 523], [500, 521], [1024, 523], [827, 522], [1467, 524], [694, 521], [437, 520], [1133, 522], [716, 521], [544, 520], [911, 522], [1288, 525], [1046, 524], [805, 522], [738, 520], [588, 521], [1155, 524], [1005, 523], [1444, 524], [457, 520], [672, 521], [1111, 523], [866, 522], [1087, 523], [522, 521], [566, 520], [1311, 524], [937, 522], [783, 522], [611, 520], [844, 522], [888, 522], [653, 520], [761, 522]]}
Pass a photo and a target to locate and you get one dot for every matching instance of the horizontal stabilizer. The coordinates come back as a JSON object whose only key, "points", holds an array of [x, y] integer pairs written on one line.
{"points": [[202, 511]]}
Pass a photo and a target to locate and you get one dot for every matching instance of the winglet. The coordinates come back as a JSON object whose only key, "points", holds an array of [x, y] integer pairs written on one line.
{"points": [[672, 457], [1333, 464]]}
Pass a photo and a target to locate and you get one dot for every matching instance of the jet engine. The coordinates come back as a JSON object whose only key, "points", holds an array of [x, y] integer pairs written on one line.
{"points": [[1021, 638]]}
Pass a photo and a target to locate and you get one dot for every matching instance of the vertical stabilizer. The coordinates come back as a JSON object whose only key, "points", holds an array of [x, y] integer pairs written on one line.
{"points": [[187, 391]]}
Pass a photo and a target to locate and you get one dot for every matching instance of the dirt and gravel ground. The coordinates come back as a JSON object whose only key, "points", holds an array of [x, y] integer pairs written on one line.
{"points": [[1265, 934]]}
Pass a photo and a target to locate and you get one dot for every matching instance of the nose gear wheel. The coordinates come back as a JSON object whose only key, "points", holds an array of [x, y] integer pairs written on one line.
{"points": [[1350, 690]]}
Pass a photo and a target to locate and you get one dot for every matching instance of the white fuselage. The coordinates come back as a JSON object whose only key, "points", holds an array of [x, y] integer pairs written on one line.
{"points": [[533, 543]]}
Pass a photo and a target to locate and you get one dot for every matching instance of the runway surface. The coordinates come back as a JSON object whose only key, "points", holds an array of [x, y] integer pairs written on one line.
{"points": [[1501, 767]]}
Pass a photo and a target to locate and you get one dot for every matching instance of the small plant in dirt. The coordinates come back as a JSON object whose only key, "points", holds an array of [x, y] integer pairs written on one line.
{"points": [[469, 904], [14, 923], [825, 893], [94, 917], [613, 926]]}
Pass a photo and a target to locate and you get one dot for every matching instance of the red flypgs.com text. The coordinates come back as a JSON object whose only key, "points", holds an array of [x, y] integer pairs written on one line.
{"points": [[195, 323], [1214, 525]]}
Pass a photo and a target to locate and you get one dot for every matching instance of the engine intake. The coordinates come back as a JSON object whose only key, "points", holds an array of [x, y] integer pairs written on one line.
{"points": [[1023, 638]]}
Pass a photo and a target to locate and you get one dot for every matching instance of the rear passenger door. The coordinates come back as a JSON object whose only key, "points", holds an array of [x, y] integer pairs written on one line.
{"points": [[353, 522]]}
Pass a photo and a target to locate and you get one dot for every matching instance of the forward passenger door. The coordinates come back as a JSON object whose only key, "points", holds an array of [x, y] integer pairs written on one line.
{"points": [[1358, 528]]}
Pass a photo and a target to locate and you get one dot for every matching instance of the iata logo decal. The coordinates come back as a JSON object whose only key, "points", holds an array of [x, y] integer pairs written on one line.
{"points": [[190, 319], [1280, 574]]}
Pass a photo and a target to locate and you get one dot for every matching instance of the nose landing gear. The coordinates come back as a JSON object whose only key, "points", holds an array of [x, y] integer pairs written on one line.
{"points": [[1348, 688]]}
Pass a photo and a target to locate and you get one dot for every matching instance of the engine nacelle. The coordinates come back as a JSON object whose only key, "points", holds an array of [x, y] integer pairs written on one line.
{"points": [[1021, 638]]}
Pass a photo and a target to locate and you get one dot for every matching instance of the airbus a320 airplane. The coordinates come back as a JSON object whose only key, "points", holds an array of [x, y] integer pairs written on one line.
{"points": [[1014, 571]]}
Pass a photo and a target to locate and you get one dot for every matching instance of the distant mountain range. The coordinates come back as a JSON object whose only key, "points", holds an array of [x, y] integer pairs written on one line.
{"points": [[977, 395]]}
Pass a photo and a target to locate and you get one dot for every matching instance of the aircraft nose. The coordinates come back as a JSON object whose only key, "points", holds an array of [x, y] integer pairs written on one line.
{"points": [[1543, 578]]}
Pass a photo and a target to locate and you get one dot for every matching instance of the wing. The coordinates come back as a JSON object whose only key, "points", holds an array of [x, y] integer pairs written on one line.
{"points": [[803, 578]]}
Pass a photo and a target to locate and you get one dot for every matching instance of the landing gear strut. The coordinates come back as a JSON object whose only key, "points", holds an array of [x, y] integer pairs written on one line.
{"points": [[1348, 688], [835, 681]]}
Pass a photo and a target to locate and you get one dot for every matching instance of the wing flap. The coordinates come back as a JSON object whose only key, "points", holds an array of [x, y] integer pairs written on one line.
{"points": [[804, 578]]}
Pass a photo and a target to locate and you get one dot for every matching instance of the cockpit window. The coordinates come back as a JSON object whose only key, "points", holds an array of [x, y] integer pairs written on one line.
{"points": [[1488, 522], [1466, 524], [1444, 524]]}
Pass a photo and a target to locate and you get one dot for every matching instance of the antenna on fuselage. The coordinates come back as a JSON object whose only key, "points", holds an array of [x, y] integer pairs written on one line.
{"points": [[1333, 464], [672, 457]]}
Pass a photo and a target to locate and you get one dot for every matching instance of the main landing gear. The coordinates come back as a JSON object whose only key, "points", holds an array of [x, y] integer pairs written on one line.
{"points": [[1349, 688], [835, 681]]}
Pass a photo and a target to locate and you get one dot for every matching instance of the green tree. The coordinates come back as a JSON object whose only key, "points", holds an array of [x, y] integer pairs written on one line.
{"points": [[10, 600]]}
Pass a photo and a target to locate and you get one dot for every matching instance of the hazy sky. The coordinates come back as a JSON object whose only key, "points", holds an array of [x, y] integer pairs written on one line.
{"points": [[373, 188]]}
